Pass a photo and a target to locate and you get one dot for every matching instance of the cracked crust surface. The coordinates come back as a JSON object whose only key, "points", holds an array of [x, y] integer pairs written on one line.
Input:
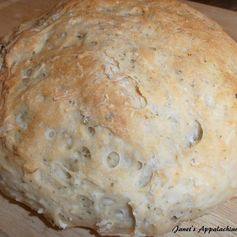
{"points": [[120, 116]]}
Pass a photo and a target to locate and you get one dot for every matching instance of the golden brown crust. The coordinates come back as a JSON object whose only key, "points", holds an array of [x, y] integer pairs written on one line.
{"points": [[127, 104]]}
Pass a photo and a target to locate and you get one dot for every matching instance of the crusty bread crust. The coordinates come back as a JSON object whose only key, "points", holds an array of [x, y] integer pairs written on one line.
{"points": [[119, 115]]}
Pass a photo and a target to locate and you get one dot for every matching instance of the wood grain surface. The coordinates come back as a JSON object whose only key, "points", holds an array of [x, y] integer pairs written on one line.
{"points": [[228, 4], [18, 221]]}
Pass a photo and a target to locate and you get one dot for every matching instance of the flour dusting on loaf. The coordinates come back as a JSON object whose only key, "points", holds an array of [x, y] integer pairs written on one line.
{"points": [[120, 116]]}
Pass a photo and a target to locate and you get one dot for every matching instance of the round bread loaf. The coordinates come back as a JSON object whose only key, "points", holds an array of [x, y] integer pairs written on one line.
{"points": [[120, 116]]}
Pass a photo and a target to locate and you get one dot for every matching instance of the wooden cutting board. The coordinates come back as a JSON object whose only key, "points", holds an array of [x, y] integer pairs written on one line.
{"points": [[18, 221]]}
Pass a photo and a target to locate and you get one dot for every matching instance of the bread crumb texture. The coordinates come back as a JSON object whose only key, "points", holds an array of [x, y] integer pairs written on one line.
{"points": [[120, 116]]}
